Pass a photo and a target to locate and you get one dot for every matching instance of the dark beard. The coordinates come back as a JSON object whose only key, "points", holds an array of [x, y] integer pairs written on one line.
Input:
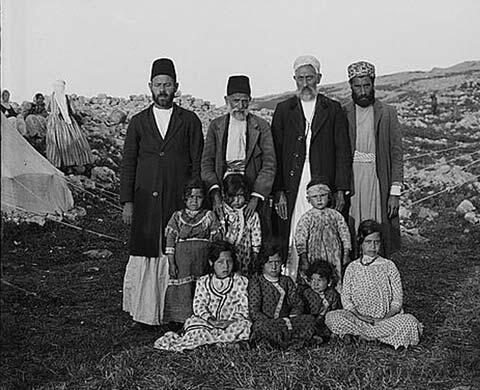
{"points": [[364, 100], [165, 102]]}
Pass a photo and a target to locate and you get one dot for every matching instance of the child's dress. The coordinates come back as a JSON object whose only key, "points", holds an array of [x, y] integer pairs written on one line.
{"points": [[246, 236], [188, 235], [323, 235], [223, 299], [318, 304], [276, 312]]}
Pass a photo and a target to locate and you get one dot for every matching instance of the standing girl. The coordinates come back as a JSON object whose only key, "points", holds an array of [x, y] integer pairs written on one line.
{"points": [[188, 235]]}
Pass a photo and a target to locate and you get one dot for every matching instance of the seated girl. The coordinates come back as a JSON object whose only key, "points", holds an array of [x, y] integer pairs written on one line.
{"points": [[372, 297], [275, 306], [246, 235], [320, 295], [220, 306], [188, 236]]}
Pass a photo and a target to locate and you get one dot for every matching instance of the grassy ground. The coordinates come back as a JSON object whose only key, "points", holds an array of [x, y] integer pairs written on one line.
{"points": [[73, 334]]}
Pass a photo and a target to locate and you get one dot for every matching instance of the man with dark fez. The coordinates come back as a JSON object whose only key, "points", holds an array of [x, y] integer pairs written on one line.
{"points": [[376, 144], [162, 150]]}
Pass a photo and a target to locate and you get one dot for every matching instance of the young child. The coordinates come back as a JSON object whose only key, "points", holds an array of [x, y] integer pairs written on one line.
{"points": [[220, 306], [275, 306], [188, 235], [320, 295], [321, 232], [246, 235]]}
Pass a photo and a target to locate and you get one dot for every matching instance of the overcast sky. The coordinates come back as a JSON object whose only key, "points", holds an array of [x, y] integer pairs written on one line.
{"points": [[109, 45]]}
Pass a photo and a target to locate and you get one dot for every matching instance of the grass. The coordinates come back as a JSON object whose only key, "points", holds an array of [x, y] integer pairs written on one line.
{"points": [[74, 335]]}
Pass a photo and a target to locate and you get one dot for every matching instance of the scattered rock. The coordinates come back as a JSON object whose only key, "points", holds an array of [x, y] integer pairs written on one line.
{"points": [[75, 213], [98, 253], [465, 206], [472, 217], [426, 213], [104, 175]]}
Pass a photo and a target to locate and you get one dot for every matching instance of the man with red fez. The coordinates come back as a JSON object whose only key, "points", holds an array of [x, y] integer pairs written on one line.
{"points": [[239, 142], [376, 144], [311, 140], [162, 150]]}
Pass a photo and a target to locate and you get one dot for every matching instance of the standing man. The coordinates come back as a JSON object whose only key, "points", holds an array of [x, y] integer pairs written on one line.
{"points": [[162, 151], [240, 142], [376, 143], [310, 134]]}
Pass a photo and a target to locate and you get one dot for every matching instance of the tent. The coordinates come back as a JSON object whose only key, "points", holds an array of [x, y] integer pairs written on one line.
{"points": [[30, 184]]}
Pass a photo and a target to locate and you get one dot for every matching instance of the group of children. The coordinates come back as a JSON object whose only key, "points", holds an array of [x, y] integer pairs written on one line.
{"points": [[282, 312]]}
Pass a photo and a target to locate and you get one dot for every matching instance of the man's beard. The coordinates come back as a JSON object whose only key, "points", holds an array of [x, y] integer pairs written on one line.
{"points": [[163, 100], [307, 93], [364, 100], [238, 114]]}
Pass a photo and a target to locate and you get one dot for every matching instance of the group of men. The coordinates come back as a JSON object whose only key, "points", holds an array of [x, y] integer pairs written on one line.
{"points": [[356, 150]]}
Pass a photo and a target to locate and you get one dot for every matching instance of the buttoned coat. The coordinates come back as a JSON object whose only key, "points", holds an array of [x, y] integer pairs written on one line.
{"points": [[389, 163], [329, 155], [260, 154], [154, 171]]}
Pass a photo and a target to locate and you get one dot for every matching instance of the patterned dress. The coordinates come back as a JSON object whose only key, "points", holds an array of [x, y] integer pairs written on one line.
{"points": [[374, 290], [245, 235], [276, 312], [323, 235], [223, 299], [318, 304], [188, 235]]}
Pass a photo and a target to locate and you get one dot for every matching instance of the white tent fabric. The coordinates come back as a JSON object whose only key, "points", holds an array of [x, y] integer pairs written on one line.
{"points": [[29, 182]]}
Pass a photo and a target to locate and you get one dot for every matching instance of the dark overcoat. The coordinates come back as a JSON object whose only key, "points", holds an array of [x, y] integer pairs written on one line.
{"points": [[389, 163], [330, 156], [260, 154], [154, 171]]}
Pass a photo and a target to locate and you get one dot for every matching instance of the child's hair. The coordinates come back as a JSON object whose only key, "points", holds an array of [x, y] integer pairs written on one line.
{"points": [[193, 184], [217, 247], [235, 182], [269, 248], [367, 227], [317, 181], [324, 269]]}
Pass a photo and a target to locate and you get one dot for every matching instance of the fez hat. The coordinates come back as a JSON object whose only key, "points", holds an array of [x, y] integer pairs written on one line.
{"points": [[238, 84], [163, 66]]}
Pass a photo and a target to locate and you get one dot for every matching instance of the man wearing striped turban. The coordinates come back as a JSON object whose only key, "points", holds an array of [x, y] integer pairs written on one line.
{"points": [[376, 142]]}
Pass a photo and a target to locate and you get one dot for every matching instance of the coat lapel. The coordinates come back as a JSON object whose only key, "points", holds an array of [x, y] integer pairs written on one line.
{"points": [[352, 124], [297, 119], [176, 122], [377, 115], [320, 116], [252, 136], [153, 126]]}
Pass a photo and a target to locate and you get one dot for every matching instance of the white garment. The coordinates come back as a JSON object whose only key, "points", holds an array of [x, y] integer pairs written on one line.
{"points": [[236, 140], [61, 99], [162, 118], [301, 203], [144, 287]]}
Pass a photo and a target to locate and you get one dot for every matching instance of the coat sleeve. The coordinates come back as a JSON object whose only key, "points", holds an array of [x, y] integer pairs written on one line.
{"points": [[255, 300], [208, 173], [196, 146], [343, 154], [396, 149], [277, 135], [265, 177], [129, 162]]}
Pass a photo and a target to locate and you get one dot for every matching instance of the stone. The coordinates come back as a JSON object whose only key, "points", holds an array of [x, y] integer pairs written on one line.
{"points": [[103, 175], [465, 206], [426, 213], [117, 117], [472, 217], [98, 254]]}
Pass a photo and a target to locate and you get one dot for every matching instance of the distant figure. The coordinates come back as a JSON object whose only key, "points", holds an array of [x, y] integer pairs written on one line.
{"points": [[376, 146], [67, 147], [35, 119], [14, 117], [434, 100]]}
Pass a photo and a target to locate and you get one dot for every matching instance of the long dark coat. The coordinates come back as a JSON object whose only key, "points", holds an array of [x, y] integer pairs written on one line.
{"points": [[389, 162], [154, 172], [330, 156]]}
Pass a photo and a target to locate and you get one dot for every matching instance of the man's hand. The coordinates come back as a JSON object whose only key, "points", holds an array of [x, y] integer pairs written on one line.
{"points": [[251, 207], [217, 203], [127, 212], [393, 205], [281, 205], [339, 200]]}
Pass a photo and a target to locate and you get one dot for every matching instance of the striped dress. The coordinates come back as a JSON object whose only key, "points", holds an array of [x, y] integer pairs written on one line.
{"points": [[66, 144]]}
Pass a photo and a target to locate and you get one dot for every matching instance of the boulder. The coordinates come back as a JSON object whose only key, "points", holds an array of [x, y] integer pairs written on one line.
{"points": [[117, 117], [465, 206], [103, 175], [472, 217]]}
